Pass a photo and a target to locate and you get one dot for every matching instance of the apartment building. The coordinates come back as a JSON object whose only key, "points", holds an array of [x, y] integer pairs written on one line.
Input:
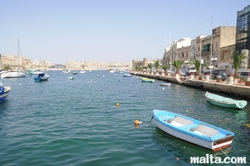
{"points": [[211, 45], [243, 34], [204, 47], [179, 50]]}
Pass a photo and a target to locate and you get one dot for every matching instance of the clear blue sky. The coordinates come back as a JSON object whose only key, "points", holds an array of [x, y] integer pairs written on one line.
{"points": [[107, 30]]}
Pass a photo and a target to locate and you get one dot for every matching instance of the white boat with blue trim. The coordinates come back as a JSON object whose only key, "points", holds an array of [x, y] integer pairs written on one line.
{"points": [[192, 130], [4, 90]]}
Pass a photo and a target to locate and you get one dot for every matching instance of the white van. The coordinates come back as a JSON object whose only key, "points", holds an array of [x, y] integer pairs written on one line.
{"points": [[244, 73]]}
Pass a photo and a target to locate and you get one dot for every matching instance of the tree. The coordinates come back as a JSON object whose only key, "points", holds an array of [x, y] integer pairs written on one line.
{"points": [[165, 67], [150, 66], [197, 64], [6, 68], [137, 68], [237, 60], [177, 64], [156, 65]]}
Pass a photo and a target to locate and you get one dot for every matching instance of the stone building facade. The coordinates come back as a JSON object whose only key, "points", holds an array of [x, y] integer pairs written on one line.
{"points": [[205, 48], [137, 62]]}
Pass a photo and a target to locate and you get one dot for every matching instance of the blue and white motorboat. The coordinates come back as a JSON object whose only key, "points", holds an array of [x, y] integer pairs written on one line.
{"points": [[4, 91], [192, 130], [41, 77]]}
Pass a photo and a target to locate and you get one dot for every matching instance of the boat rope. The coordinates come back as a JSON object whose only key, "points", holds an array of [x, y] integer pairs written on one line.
{"points": [[151, 119], [222, 150], [204, 101]]}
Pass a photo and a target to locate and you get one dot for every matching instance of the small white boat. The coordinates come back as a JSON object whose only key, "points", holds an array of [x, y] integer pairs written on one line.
{"points": [[14, 74], [127, 75], [192, 130], [165, 84], [82, 71], [71, 77]]}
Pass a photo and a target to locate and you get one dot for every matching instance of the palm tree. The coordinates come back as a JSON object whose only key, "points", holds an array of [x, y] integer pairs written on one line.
{"points": [[237, 60], [197, 64], [150, 66], [177, 64], [165, 67], [156, 65], [137, 68], [144, 68]]}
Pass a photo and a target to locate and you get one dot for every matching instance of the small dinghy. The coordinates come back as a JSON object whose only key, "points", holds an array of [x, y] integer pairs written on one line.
{"points": [[192, 130]]}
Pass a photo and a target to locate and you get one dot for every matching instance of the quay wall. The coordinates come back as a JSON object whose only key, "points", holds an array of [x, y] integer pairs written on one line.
{"points": [[241, 91]]}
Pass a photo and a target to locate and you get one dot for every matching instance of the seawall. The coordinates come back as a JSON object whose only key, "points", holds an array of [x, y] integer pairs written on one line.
{"points": [[239, 90]]}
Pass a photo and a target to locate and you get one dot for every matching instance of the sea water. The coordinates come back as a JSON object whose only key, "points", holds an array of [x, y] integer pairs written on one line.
{"points": [[90, 121]]}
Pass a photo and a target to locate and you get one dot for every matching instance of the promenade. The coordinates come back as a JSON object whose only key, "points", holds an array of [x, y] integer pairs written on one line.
{"points": [[233, 89]]}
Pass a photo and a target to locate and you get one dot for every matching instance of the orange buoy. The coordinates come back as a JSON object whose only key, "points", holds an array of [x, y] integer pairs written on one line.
{"points": [[117, 104], [136, 122]]}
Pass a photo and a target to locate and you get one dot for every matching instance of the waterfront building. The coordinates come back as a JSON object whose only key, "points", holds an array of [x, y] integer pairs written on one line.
{"points": [[179, 50], [137, 62], [200, 48], [221, 37], [243, 34]]}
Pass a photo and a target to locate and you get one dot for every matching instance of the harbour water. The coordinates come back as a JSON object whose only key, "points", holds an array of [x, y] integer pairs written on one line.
{"points": [[76, 122]]}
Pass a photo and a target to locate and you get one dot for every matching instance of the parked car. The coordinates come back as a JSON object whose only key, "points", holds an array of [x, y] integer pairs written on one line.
{"points": [[217, 72], [190, 70], [244, 73]]}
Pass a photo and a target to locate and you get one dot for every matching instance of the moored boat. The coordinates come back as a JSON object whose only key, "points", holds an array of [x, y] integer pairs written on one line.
{"points": [[4, 91], [13, 74], [82, 71], [71, 77], [42, 77], [147, 80], [192, 130], [165, 84], [127, 75], [224, 101]]}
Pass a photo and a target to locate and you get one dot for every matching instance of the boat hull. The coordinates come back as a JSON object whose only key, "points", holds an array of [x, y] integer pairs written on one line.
{"points": [[3, 97], [188, 133], [13, 75], [224, 101], [40, 79], [147, 80]]}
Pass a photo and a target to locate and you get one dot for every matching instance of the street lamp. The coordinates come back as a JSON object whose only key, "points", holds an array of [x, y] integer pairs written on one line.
{"points": [[201, 62], [213, 60]]}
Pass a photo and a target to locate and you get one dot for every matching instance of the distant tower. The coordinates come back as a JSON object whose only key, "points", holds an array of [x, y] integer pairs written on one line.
{"points": [[1, 63]]}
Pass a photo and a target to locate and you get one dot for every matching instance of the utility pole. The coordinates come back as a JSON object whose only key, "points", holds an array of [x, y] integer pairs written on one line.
{"points": [[200, 49], [211, 45]]}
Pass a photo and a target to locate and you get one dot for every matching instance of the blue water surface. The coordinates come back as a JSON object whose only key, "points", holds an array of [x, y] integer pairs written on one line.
{"points": [[76, 122]]}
